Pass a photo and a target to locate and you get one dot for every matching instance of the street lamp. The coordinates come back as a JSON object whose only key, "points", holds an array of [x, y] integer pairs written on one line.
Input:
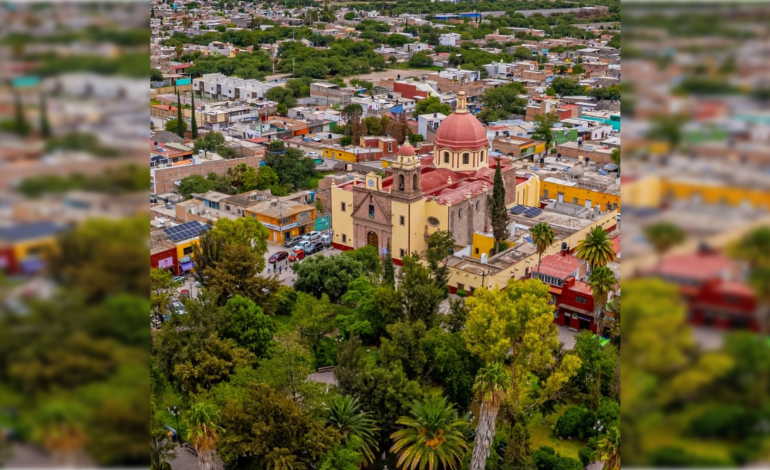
{"points": [[175, 412], [598, 427]]}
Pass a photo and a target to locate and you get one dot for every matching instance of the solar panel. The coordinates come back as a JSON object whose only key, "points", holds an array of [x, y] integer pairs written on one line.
{"points": [[185, 231], [518, 209], [532, 212]]}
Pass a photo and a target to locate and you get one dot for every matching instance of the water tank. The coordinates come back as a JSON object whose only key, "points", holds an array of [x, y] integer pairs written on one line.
{"points": [[564, 246], [483, 258]]}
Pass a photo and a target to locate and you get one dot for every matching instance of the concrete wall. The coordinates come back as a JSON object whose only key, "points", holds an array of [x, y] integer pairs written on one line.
{"points": [[165, 177]]}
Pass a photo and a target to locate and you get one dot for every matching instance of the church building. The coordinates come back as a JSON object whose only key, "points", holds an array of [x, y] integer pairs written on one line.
{"points": [[445, 191]]}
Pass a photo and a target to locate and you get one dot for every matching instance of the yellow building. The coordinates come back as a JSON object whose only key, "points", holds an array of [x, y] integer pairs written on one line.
{"points": [[283, 218], [23, 247], [582, 192], [184, 237], [352, 153]]}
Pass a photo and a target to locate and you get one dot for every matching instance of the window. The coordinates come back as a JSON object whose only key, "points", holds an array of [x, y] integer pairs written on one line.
{"points": [[187, 251], [415, 183], [575, 200], [344, 238], [390, 147], [581, 299], [402, 220], [371, 210], [466, 158], [227, 208], [343, 206], [460, 286], [481, 157], [588, 203], [402, 252], [433, 222], [460, 214], [477, 251], [435, 124], [477, 205], [545, 193], [400, 182], [446, 157]]}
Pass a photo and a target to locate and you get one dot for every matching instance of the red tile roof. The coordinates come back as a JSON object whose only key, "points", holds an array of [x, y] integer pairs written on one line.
{"points": [[694, 266], [559, 266]]}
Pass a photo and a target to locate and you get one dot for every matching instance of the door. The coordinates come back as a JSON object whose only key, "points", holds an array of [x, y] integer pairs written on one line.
{"points": [[371, 239], [588, 203], [561, 197]]}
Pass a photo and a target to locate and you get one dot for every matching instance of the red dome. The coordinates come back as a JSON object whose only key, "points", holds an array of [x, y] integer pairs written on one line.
{"points": [[407, 150], [461, 131]]}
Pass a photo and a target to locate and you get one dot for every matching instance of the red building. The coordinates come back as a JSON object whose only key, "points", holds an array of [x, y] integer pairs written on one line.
{"points": [[409, 90], [163, 255], [706, 281]]}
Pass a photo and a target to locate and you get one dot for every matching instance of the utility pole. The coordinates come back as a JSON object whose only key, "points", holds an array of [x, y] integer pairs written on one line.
{"points": [[292, 67]]}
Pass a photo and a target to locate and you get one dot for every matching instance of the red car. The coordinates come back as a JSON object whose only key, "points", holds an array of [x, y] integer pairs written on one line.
{"points": [[298, 255], [279, 256]]}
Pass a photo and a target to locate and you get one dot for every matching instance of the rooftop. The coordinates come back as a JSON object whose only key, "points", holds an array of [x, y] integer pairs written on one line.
{"points": [[560, 266]]}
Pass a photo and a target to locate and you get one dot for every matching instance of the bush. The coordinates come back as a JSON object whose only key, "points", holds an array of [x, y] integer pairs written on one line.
{"points": [[325, 353], [570, 424], [585, 453], [608, 413], [462, 293], [545, 458], [723, 421], [677, 457]]}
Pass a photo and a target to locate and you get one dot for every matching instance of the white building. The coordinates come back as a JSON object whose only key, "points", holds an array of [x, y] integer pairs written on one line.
{"points": [[428, 121], [219, 86], [449, 39]]}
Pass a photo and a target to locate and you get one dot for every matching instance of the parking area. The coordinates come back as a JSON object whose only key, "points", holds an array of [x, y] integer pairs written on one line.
{"points": [[284, 272]]}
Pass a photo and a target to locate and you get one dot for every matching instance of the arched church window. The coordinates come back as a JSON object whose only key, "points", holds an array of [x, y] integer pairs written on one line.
{"points": [[446, 157], [466, 158], [400, 182], [415, 183]]}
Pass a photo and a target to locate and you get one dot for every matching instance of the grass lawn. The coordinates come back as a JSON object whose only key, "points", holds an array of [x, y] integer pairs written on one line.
{"points": [[542, 435]]}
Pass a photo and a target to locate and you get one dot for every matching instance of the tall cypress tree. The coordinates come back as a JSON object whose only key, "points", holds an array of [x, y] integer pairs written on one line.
{"points": [[388, 270], [179, 128], [193, 123], [45, 127], [21, 124], [498, 214]]}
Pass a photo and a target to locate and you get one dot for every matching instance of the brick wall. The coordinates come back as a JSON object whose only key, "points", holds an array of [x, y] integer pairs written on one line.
{"points": [[165, 177]]}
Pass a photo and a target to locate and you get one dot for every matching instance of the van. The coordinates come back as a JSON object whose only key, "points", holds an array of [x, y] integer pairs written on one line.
{"points": [[326, 239]]}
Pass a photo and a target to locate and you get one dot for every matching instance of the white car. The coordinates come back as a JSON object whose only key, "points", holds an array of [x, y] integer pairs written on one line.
{"points": [[312, 154]]}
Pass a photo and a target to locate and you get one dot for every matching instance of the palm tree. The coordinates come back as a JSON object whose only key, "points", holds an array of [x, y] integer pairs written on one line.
{"points": [[202, 433], [344, 415], [753, 248], [614, 306], [602, 281], [608, 449], [663, 236], [491, 383], [433, 436], [596, 248], [543, 237]]}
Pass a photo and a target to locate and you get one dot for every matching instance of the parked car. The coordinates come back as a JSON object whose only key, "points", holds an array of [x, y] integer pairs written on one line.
{"points": [[179, 279], [313, 247], [314, 236], [326, 239], [298, 255], [312, 154], [177, 307], [292, 241], [278, 257], [185, 293]]}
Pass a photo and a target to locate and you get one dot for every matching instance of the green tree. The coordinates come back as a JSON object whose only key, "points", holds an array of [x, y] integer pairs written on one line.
{"points": [[578, 69], [431, 105], [491, 384], [608, 450], [398, 128], [543, 130], [210, 142], [663, 236], [193, 122], [432, 438], [236, 273], [498, 214], [45, 126], [162, 290], [404, 346], [522, 53], [174, 125], [602, 281], [161, 450], [202, 433], [350, 16], [345, 415], [753, 248], [286, 371], [501, 102], [420, 60], [180, 128], [330, 275], [441, 245], [518, 454], [615, 156], [247, 232], [543, 237], [398, 40], [155, 75], [21, 126], [268, 430], [667, 129], [450, 364], [266, 178], [248, 326], [596, 248], [211, 363], [419, 293], [388, 269], [457, 315]]}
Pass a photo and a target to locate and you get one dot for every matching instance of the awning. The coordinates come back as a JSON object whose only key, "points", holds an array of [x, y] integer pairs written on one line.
{"points": [[186, 266], [554, 290], [575, 309]]}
